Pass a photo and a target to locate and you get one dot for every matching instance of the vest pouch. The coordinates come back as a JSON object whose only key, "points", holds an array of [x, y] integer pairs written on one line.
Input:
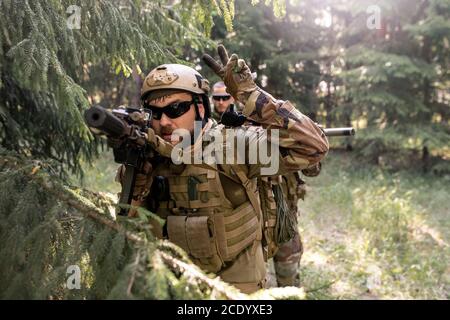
{"points": [[269, 212], [197, 237], [241, 229]]}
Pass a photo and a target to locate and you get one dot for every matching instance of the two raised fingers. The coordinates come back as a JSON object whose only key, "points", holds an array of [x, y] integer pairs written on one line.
{"points": [[223, 54], [213, 64]]}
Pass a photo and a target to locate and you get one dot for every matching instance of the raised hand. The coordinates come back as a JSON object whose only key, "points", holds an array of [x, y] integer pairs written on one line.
{"points": [[234, 72]]}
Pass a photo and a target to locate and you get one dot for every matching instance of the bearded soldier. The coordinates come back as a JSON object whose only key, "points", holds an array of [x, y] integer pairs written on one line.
{"points": [[212, 211]]}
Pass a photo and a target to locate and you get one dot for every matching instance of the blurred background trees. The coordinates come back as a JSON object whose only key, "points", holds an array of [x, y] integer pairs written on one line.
{"points": [[59, 57], [395, 79], [381, 66]]}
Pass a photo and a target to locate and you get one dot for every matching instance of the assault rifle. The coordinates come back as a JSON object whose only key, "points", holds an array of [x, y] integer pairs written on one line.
{"points": [[126, 129]]}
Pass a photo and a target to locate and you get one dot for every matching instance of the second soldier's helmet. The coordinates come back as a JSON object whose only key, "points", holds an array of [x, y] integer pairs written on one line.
{"points": [[171, 78]]}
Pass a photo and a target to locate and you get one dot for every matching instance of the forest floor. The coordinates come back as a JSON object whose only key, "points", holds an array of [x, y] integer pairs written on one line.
{"points": [[368, 233], [373, 234]]}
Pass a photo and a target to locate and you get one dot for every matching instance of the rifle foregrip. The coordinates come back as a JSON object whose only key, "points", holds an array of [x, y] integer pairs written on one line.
{"points": [[102, 119], [126, 196]]}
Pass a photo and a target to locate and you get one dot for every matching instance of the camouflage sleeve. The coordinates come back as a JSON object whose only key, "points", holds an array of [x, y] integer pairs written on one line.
{"points": [[301, 143]]}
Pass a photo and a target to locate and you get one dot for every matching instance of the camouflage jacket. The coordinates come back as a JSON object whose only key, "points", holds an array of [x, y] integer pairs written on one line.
{"points": [[302, 144]]}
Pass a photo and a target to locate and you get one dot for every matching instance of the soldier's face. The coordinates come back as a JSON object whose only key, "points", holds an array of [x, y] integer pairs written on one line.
{"points": [[221, 103], [164, 124]]}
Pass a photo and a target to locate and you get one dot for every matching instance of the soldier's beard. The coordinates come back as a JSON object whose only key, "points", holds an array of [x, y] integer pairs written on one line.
{"points": [[167, 134]]}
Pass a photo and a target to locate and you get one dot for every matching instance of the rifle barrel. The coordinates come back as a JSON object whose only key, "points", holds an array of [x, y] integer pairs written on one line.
{"points": [[102, 119], [337, 132]]}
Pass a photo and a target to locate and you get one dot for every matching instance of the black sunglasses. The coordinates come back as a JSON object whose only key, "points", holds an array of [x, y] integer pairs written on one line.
{"points": [[173, 110], [224, 98]]}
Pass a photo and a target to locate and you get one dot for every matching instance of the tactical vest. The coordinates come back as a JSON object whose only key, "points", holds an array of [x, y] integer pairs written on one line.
{"points": [[202, 220], [269, 212]]}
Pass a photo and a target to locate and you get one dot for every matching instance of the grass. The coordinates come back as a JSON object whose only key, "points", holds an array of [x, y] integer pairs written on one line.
{"points": [[100, 176], [372, 234], [368, 233]]}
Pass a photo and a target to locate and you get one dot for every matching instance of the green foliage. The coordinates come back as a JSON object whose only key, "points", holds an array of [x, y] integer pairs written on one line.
{"points": [[57, 58], [43, 233], [393, 76], [285, 60], [323, 57], [374, 234], [45, 227], [46, 65], [99, 175], [403, 141], [392, 84]]}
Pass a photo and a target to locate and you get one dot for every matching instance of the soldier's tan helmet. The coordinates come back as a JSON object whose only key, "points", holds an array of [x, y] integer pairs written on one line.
{"points": [[168, 78]]}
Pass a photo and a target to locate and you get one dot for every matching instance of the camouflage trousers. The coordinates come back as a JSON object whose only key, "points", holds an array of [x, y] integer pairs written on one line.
{"points": [[287, 262]]}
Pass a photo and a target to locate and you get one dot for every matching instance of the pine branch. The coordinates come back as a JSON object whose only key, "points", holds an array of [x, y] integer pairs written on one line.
{"points": [[68, 196], [192, 271], [115, 262]]}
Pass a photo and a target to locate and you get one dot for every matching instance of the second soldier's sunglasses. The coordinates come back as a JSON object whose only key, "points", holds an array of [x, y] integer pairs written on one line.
{"points": [[224, 98], [173, 110]]}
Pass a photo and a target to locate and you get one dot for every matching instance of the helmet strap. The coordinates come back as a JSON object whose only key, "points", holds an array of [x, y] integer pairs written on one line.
{"points": [[197, 111]]}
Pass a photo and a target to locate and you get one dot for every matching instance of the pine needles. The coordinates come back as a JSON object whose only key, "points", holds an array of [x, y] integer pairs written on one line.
{"points": [[48, 229]]}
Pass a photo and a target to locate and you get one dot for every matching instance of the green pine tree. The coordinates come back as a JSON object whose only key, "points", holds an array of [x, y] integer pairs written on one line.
{"points": [[393, 77], [287, 62], [48, 230], [52, 54]]}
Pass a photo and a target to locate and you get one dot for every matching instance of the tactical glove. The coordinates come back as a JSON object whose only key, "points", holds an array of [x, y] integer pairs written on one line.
{"points": [[234, 72], [142, 183], [160, 145], [312, 171]]}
